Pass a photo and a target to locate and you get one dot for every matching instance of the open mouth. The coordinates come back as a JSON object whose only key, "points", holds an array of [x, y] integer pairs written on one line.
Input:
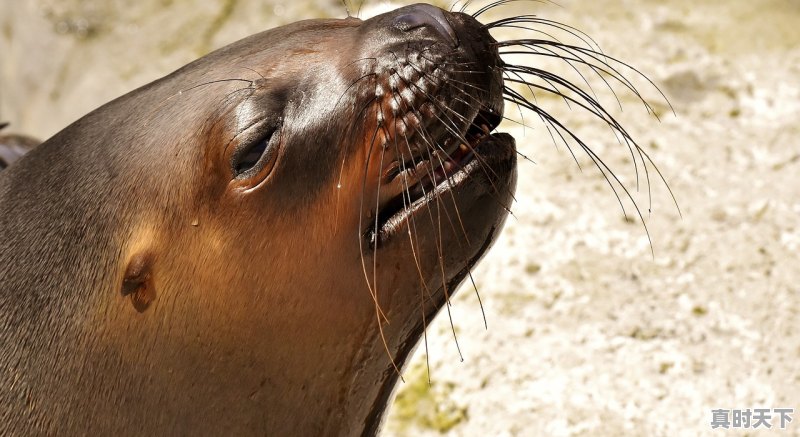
{"points": [[434, 169]]}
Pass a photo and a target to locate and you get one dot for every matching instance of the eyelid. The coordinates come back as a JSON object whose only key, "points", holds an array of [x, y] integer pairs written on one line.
{"points": [[238, 158], [266, 132], [243, 131], [253, 151]]}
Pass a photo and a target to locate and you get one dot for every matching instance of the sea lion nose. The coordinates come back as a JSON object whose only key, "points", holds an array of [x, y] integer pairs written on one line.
{"points": [[422, 15]]}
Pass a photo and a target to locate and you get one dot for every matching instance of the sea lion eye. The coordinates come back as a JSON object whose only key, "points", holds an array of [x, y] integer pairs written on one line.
{"points": [[252, 156]]}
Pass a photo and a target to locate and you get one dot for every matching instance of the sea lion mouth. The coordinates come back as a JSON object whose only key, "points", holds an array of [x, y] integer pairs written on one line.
{"points": [[433, 102], [437, 169]]}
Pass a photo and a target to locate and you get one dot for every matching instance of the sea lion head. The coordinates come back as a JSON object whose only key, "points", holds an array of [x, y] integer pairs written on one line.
{"points": [[339, 167], [276, 221]]}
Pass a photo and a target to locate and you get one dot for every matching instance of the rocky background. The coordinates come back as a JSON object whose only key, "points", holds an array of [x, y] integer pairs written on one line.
{"points": [[591, 329]]}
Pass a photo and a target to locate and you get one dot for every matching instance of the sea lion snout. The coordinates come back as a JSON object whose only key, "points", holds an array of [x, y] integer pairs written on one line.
{"points": [[425, 16], [436, 95]]}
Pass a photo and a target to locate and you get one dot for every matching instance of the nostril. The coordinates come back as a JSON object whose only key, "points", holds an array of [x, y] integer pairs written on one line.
{"points": [[425, 16]]}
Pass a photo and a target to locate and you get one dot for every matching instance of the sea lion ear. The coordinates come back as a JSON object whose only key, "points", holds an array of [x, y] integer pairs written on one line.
{"points": [[138, 281]]}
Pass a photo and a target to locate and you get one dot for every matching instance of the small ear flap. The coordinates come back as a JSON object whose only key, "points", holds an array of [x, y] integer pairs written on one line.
{"points": [[138, 281]]}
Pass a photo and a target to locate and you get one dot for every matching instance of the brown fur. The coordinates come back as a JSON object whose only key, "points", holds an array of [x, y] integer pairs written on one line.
{"points": [[144, 290]]}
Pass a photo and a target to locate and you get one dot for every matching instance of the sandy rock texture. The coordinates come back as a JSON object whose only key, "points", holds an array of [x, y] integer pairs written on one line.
{"points": [[593, 329]]}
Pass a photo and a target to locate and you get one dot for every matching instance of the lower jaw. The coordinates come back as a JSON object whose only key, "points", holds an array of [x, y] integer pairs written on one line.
{"points": [[483, 157]]}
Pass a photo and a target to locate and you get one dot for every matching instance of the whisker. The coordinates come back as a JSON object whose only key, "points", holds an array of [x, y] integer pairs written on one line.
{"points": [[361, 225], [499, 3], [533, 19], [429, 170], [480, 301]]}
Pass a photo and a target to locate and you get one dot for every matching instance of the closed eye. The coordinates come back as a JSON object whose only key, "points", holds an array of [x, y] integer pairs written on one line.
{"points": [[252, 156]]}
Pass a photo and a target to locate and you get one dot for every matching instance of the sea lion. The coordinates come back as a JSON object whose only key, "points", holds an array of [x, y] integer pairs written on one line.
{"points": [[13, 146], [253, 243]]}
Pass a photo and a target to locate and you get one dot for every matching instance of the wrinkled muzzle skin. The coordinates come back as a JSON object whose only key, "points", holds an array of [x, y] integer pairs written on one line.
{"points": [[242, 246]]}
